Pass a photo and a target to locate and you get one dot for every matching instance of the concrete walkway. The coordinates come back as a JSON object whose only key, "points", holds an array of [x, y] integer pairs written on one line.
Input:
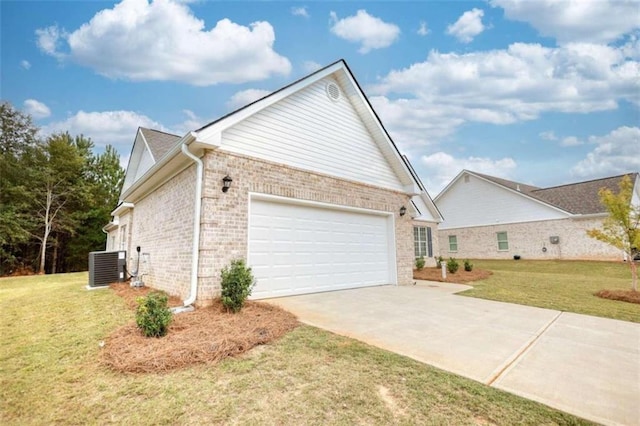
{"points": [[580, 364]]}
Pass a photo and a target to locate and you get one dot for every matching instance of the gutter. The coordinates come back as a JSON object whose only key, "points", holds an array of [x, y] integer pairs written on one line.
{"points": [[195, 250]]}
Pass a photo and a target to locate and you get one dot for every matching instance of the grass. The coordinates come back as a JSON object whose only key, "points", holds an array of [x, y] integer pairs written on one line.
{"points": [[49, 344], [562, 285]]}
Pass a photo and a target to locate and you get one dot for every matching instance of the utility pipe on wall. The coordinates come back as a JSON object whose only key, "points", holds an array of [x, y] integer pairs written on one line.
{"points": [[193, 292]]}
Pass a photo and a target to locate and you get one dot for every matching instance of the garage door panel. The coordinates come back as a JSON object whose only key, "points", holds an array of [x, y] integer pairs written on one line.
{"points": [[296, 249]]}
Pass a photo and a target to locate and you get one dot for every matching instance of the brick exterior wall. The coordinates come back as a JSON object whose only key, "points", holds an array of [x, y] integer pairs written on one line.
{"points": [[528, 240], [164, 219], [163, 228], [225, 215]]}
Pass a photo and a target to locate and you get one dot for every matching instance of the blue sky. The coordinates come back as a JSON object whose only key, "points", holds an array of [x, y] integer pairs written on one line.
{"points": [[544, 92]]}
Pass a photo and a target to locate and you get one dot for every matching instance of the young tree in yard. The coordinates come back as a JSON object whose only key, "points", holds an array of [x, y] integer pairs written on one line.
{"points": [[621, 228], [59, 168]]}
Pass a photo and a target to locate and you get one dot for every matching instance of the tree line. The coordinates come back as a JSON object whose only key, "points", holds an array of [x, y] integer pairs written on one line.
{"points": [[55, 197]]}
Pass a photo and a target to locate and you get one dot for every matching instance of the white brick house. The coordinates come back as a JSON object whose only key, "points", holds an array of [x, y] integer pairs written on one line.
{"points": [[492, 218], [316, 202]]}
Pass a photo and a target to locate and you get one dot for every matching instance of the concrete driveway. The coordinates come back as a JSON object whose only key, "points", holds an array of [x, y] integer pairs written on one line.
{"points": [[580, 364]]}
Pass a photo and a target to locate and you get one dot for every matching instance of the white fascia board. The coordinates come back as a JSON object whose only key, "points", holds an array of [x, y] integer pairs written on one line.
{"points": [[449, 185], [146, 145], [377, 130], [157, 171], [122, 207], [443, 225]]}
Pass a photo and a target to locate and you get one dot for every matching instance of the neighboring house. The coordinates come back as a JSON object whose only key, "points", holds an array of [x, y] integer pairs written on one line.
{"points": [[305, 184], [492, 218]]}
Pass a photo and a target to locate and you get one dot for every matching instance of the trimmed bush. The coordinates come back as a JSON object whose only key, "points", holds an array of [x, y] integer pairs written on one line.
{"points": [[237, 283], [468, 266], [439, 261], [420, 263], [153, 315], [452, 265]]}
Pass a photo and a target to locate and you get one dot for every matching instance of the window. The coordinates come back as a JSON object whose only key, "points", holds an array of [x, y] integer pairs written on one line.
{"points": [[503, 243], [453, 243], [422, 241]]}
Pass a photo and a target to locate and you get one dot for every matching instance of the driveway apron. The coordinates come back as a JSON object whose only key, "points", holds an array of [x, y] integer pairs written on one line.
{"points": [[580, 364]]}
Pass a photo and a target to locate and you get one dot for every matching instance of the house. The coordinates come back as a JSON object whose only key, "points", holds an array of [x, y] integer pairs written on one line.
{"points": [[305, 184], [492, 218]]}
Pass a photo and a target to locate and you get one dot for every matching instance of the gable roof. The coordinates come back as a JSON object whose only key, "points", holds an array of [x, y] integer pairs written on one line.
{"points": [[165, 147], [580, 198], [159, 142], [516, 186]]}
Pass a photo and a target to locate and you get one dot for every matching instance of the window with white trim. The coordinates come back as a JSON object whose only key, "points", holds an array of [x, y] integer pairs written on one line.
{"points": [[503, 241], [422, 241], [453, 243]]}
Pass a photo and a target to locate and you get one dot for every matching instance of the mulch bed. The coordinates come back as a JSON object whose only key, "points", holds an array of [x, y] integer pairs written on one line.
{"points": [[623, 295], [460, 277], [205, 335]]}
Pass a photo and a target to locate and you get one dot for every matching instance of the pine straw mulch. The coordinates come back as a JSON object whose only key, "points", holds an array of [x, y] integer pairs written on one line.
{"points": [[622, 295], [460, 277], [206, 335]]}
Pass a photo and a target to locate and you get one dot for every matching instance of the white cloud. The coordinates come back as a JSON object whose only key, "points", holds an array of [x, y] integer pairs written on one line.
{"points": [[423, 30], [597, 21], [467, 26], [245, 97], [615, 153], [36, 109], [440, 168], [117, 128], [300, 11], [571, 141], [371, 32], [311, 66], [427, 101], [25, 64], [50, 39], [548, 136], [164, 41]]}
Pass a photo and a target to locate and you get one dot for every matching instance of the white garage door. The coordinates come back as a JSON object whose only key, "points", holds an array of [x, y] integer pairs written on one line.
{"points": [[302, 248]]}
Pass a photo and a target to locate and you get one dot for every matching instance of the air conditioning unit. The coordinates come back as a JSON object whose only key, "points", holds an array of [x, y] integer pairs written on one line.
{"points": [[106, 267]]}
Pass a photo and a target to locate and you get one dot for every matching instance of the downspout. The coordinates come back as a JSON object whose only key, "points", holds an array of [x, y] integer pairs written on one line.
{"points": [[193, 292]]}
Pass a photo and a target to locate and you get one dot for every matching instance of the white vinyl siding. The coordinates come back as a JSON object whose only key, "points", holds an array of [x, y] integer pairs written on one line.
{"points": [[307, 130], [422, 241], [299, 248], [503, 242], [453, 243], [478, 202]]}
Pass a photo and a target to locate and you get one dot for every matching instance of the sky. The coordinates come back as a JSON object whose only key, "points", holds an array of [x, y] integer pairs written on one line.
{"points": [[543, 92]]}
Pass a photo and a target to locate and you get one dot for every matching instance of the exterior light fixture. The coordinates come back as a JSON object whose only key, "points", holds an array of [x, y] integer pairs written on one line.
{"points": [[403, 210], [226, 183]]}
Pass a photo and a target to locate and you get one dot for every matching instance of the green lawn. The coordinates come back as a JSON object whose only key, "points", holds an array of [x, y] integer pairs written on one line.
{"points": [[562, 285], [49, 344]]}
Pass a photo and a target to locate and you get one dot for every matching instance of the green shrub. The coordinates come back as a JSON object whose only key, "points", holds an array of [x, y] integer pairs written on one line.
{"points": [[452, 265], [439, 261], [237, 283], [420, 262], [153, 315], [468, 266]]}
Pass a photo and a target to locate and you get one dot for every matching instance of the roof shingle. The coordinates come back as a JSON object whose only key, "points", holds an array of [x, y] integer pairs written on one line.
{"points": [[576, 198], [159, 142]]}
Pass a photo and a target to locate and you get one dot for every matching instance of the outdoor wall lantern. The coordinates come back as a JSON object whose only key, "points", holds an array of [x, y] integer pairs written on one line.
{"points": [[226, 183], [403, 210]]}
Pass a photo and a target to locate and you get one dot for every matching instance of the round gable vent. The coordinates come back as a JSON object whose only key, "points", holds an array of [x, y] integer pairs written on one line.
{"points": [[333, 91]]}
